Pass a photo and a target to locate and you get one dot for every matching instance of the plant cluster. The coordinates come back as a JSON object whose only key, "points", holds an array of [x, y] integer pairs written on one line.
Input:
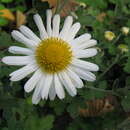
{"points": [[100, 105]]}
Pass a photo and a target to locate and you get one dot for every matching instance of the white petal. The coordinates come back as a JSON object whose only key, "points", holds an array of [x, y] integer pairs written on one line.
{"points": [[23, 72], [49, 16], [47, 85], [58, 87], [86, 75], [52, 92], [28, 33], [37, 93], [67, 25], [17, 60], [85, 53], [32, 82], [67, 83], [20, 50], [85, 65], [40, 25], [73, 31], [21, 38], [56, 24], [87, 44], [75, 78], [79, 40]]}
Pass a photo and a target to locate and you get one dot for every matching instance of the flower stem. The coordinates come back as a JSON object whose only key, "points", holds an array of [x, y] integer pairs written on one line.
{"points": [[57, 6], [114, 62], [118, 37], [103, 90], [61, 5]]}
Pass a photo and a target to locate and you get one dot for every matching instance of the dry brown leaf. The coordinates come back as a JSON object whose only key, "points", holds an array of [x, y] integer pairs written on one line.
{"points": [[6, 13], [101, 17], [68, 7], [20, 18], [98, 107]]}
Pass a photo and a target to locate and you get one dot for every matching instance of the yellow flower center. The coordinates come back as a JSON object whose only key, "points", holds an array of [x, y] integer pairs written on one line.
{"points": [[53, 55]]}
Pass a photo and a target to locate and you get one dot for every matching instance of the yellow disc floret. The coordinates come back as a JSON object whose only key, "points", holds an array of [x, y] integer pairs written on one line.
{"points": [[53, 55]]}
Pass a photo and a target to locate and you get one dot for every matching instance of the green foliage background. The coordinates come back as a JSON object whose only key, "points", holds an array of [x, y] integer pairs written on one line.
{"points": [[16, 110]]}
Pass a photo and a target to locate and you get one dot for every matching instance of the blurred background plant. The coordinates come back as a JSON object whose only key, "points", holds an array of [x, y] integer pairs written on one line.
{"points": [[102, 105]]}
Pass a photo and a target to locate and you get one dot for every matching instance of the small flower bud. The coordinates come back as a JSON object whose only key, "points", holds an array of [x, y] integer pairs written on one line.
{"points": [[125, 30], [123, 48], [109, 35]]}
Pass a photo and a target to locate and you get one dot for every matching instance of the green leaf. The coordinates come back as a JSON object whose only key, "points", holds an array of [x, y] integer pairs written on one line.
{"points": [[112, 49], [5, 39], [5, 128], [2, 6], [3, 21], [126, 102], [96, 4], [125, 124], [127, 65], [90, 94], [36, 123], [74, 106], [58, 106], [128, 81], [6, 1]]}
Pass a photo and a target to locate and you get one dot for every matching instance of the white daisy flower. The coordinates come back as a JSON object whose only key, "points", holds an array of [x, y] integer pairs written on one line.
{"points": [[54, 58]]}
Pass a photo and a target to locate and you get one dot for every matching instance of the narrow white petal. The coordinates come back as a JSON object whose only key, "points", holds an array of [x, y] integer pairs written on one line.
{"points": [[85, 53], [75, 78], [32, 82], [52, 92], [58, 87], [20, 50], [17, 60], [47, 85], [28, 33], [23, 72], [67, 83], [40, 25], [84, 74], [49, 16], [73, 31], [66, 27], [85, 65], [56, 24], [87, 44], [21, 38], [37, 92], [79, 40]]}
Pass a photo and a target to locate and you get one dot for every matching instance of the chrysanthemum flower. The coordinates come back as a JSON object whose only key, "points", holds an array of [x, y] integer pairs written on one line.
{"points": [[54, 58]]}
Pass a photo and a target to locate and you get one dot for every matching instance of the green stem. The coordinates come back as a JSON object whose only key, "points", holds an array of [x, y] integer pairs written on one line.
{"points": [[102, 90], [62, 5], [118, 37], [33, 3], [114, 62], [57, 6]]}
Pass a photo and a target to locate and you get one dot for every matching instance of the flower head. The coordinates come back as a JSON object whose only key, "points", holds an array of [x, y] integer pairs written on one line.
{"points": [[109, 35], [123, 48], [54, 58], [125, 30]]}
